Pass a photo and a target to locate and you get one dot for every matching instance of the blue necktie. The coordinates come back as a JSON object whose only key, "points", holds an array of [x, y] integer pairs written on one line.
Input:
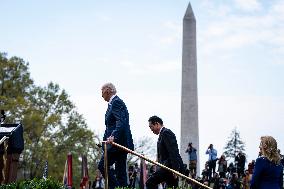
{"points": [[108, 107]]}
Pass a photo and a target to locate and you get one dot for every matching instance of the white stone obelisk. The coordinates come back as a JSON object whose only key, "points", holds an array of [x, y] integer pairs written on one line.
{"points": [[189, 100]]}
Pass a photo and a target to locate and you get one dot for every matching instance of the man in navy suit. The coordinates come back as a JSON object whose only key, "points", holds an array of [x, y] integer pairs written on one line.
{"points": [[117, 130], [168, 155]]}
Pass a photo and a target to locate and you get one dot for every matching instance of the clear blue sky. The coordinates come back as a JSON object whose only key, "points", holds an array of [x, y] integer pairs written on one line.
{"points": [[137, 45]]}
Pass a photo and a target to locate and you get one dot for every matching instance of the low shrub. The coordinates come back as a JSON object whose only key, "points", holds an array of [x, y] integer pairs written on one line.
{"points": [[34, 184]]}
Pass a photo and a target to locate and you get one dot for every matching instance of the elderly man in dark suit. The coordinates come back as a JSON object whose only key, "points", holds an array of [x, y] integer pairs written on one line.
{"points": [[168, 155], [117, 130]]}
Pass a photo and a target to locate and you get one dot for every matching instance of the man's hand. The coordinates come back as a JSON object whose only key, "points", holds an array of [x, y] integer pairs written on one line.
{"points": [[110, 139]]}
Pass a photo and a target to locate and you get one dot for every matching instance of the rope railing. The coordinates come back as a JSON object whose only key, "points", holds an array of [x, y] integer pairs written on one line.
{"points": [[149, 160]]}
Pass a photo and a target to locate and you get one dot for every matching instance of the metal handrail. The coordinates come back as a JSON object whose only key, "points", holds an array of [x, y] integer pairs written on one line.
{"points": [[154, 162], [3, 171], [3, 139]]}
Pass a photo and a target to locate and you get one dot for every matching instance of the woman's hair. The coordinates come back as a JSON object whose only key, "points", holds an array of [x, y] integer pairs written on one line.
{"points": [[269, 149]]}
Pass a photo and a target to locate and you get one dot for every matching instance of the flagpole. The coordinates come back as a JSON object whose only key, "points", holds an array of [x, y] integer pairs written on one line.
{"points": [[69, 171], [156, 163], [64, 180]]}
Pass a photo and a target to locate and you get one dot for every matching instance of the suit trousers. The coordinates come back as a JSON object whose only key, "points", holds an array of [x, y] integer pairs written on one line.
{"points": [[212, 168], [118, 176], [161, 175]]}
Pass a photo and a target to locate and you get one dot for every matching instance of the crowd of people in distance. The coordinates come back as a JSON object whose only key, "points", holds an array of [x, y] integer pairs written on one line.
{"points": [[219, 174], [264, 172]]}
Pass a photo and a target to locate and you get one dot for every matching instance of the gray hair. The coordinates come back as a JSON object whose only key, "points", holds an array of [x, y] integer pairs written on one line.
{"points": [[110, 86]]}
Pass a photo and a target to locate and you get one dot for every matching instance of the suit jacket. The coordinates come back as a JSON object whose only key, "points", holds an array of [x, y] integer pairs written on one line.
{"points": [[117, 124], [168, 152], [267, 175]]}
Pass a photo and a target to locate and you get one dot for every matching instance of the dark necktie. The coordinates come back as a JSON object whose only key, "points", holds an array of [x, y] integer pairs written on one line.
{"points": [[108, 108]]}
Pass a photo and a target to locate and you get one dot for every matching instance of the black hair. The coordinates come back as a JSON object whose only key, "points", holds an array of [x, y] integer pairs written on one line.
{"points": [[155, 119]]}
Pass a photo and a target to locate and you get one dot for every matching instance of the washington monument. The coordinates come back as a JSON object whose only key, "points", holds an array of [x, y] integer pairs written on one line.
{"points": [[189, 101]]}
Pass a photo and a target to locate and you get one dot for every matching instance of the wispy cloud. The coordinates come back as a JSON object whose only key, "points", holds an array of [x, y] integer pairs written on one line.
{"points": [[161, 66], [278, 9], [169, 34], [104, 18], [233, 31], [149, 63], [248, 5]]}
